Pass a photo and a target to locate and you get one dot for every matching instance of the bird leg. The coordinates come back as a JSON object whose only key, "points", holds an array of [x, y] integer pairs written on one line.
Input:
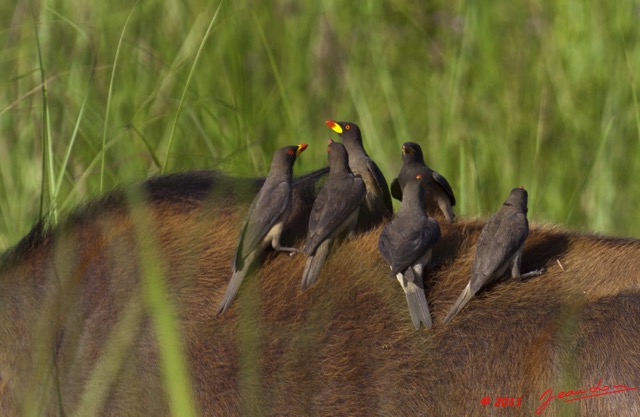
{"points": [[534, 273], [515, 269], [275, 243], [515, 265], [292, 251]]}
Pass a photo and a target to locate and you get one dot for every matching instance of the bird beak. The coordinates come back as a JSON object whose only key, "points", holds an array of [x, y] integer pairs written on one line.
{"points": [[301, 148], [334, 126], [404, 149], [330, 141]]}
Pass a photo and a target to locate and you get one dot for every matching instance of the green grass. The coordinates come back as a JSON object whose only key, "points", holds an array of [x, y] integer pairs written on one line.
{"points": [[499, 94], [540, 94]]}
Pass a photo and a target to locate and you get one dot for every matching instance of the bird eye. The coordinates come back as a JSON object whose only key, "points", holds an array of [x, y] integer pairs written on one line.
{"points": [[347, 127], [290, 151]]}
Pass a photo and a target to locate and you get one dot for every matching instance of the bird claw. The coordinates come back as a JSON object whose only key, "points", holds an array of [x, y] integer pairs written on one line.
{"points": [[534, 273]]}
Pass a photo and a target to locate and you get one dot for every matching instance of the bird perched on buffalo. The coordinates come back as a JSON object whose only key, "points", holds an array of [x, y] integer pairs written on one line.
{"points": [[267, 214], [499, 247], [334, 212], [438, 193], [406, 243], [377, 205]]}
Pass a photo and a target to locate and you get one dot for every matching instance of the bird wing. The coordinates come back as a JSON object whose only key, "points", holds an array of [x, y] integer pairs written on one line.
{"points": [[407, 173], [499, 240], [445, 186], [339, 198], [386, 244], [396, 190], [267, 207], [381, 182], [401, 248]]}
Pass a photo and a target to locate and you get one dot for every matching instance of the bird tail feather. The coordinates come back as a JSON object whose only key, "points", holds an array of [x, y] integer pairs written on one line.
{"points": [[314, 264], [417, 303], [464, 298], [234, 284]]}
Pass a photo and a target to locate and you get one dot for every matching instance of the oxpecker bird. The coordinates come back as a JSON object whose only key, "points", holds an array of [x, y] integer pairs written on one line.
{"points": [[438, 193], [377, 205], [499, 247], [334, 212], [267, 215], [406, 243]]}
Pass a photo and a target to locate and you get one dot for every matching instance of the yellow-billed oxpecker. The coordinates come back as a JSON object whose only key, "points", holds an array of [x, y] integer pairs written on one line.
{"points": [[267, 214], [334, 212], [499, 247], [377, 205], [438, 193], [406, 243]]}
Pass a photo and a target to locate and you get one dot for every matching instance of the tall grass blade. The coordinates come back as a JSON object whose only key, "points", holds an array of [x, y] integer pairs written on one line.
{"points": [[74, 135], [147, 144], [48, 174], [175, 372], [109, 364], [109, 95], [186, 87], [589, 168], [634, 93], [274, 69]]}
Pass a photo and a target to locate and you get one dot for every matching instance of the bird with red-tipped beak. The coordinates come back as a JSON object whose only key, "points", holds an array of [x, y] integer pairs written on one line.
{"points": [[406, 244], [267, 215]]}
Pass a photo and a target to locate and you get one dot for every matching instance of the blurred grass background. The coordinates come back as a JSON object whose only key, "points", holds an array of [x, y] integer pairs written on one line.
{"points": [[536, 93]]}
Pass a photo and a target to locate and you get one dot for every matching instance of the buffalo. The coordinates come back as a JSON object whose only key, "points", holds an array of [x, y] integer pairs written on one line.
{"points": [[79, 331]]}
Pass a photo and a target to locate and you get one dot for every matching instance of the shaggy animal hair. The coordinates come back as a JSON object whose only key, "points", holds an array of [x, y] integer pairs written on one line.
{"points": [[77, 338]]}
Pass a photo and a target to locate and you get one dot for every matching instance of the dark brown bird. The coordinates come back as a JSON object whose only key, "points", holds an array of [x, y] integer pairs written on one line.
{"points": [[438, 193], [72, 300], [377, 205], [267, 215], [406, 243], [499, 247], [334, 212]]}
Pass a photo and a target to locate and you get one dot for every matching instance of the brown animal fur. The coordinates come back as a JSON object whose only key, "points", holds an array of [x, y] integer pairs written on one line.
{"points": [[73, 296]]}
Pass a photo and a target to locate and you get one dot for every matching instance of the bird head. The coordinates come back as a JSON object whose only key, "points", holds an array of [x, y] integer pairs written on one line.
{"points": [[293, 151], [338, 158], [518, 198], [284, 158], [412, 152], [413, 192], [348, 131]]}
